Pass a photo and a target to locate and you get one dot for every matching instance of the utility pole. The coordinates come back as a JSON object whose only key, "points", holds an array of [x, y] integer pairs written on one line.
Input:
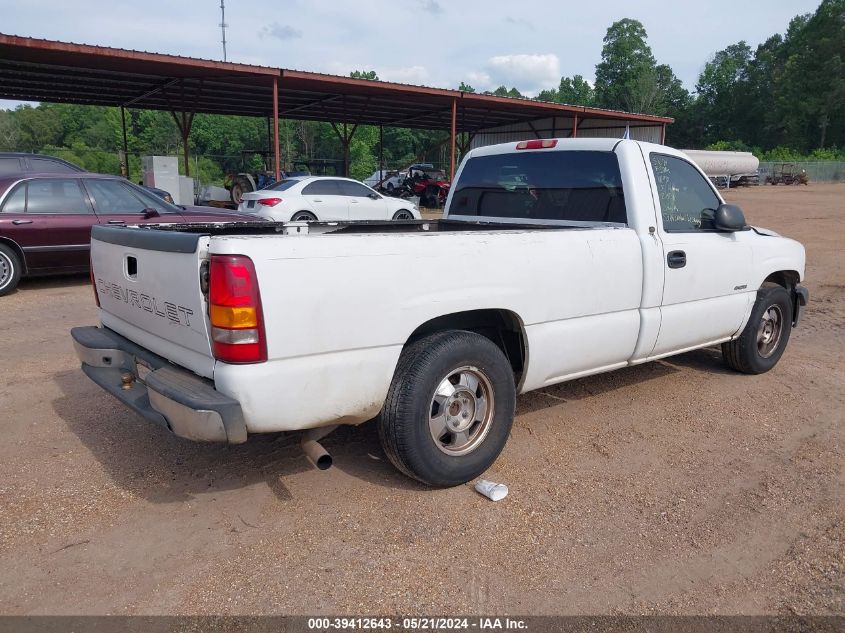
{"points": [[223, 26]]}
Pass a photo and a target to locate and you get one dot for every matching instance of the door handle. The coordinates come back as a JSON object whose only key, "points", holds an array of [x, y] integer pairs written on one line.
{"points": [[354, 201], [676, 259], [316, 200], [117, 221], [21, 221]]}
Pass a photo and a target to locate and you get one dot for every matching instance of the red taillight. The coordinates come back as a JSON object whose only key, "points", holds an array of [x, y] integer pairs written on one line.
{"points": [[270, 202], [539, 143], [237, 322], [93, 281]]}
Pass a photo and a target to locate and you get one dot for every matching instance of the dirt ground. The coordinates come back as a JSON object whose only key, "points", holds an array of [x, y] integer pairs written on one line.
{"points": [[674, 487]]}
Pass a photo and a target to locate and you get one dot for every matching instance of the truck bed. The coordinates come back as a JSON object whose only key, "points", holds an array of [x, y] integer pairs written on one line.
{"points": [[363, 227]]}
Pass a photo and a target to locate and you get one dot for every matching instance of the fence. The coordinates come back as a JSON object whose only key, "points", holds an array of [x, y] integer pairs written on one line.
{"points": [[817, 171]]}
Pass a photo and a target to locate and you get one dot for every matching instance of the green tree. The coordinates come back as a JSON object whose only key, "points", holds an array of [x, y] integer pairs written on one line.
{"points": [[571, 90], [503, 91], [464, 87], [810, 92], [722, 92], [625, 77], [364, 74]]}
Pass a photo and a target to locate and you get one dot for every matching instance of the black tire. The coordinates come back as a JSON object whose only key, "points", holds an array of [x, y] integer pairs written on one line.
{"points": [[752, 352], [240, 186], [432, 197], [10, 270], [403, 423], [303, 216], [403, 214]]}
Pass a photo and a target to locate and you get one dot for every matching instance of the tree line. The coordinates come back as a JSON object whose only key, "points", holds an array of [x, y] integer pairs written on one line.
{"points": [[783, 100]]}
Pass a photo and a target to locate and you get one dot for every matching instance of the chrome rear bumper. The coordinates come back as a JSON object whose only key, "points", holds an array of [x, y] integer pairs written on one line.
{"points": [[181, 401]]}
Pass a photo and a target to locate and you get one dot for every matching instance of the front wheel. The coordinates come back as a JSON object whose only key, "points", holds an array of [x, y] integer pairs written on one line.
{"points": [[10, 270], [403, 214], [763, 341], [449, 409]]}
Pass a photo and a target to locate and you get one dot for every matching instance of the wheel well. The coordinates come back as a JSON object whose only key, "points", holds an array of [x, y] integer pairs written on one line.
{"points": [[786, 278], [503, 327], [17, 249]]}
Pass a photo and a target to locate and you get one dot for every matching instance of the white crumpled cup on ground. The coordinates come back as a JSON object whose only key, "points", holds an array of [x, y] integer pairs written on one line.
{"points": [[491, 490]]}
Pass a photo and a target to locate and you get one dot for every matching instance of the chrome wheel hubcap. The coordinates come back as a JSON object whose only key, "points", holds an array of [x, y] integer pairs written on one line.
{"points": [[770, 330], [461, 411], [5, 270]]}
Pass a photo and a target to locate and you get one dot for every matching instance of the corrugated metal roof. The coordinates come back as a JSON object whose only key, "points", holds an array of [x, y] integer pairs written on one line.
{"points": [[65, 72]]}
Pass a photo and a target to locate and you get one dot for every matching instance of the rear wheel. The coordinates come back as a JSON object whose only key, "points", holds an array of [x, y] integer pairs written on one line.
{"points": [[403, 214], [240, 186], [303, 216], [449, 409], [763, 341], [10, 270]]}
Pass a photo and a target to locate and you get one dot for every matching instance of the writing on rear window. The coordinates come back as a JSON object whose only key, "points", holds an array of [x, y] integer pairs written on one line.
{"points": [[542, 185]]}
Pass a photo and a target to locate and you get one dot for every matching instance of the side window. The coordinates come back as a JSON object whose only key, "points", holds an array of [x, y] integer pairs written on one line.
{"points": [[51, 166], [10, 165], [321, 188], [55, 195], [15, 201], [149, 199], [687, 201], [112, 198], [349, 188]]}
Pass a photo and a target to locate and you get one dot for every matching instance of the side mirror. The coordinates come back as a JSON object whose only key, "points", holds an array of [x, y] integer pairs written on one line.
{"points": [[729, 217], [149, 212], [374, 196]]}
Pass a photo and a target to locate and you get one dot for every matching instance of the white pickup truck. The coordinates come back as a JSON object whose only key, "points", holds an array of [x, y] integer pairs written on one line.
{"points": [[556, 259]]}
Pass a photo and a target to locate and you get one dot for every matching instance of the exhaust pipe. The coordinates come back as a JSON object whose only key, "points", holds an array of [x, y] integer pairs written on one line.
{"points": [[314, 451]]}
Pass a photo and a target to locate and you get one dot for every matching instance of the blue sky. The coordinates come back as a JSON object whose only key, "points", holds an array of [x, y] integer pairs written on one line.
{"points": [[528, 44]]}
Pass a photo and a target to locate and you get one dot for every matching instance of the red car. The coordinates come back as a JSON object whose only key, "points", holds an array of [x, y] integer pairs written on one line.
{"points": [[46, 219]]}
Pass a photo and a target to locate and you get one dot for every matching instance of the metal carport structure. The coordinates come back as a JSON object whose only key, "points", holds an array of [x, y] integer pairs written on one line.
{"points": [[61, 72]]}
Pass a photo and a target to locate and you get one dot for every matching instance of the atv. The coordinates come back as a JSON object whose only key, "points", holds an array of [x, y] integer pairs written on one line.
{"points": [[429, 184]]}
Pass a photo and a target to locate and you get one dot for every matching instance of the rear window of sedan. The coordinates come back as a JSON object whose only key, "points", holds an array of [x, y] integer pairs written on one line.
{"points": [[281, 185]]}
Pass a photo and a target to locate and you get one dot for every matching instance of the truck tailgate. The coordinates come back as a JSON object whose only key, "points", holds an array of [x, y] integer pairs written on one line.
{"points": [[148, 285]]}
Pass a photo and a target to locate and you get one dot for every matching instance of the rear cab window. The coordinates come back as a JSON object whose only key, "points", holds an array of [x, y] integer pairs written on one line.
{"points": [[572, 186]]}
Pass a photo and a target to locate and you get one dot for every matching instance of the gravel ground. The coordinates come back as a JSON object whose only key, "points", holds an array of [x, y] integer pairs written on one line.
{"points": [[674, 487]]}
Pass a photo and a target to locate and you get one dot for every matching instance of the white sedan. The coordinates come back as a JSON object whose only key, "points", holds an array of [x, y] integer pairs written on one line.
{"points": [[321, 199]]}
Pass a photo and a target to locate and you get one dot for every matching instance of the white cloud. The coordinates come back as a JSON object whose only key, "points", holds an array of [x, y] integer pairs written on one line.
{"points": [[407, 75], [480, 80], [528, 73], [432, 6], [520, 22], [281, 32]]}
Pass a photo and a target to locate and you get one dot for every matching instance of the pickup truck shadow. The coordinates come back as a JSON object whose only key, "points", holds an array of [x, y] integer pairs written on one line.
{"points": [[148, 461], [707, 360]]}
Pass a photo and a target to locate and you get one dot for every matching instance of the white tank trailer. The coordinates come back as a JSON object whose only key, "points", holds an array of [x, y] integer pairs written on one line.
{"points": [[727, 169]]}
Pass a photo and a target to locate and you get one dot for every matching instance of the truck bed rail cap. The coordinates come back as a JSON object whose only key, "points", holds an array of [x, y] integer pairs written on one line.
{"points": [[147, 239]]}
